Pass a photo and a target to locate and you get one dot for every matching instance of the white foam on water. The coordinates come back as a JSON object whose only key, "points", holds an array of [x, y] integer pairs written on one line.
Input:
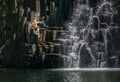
{"points": [[86, 69]]}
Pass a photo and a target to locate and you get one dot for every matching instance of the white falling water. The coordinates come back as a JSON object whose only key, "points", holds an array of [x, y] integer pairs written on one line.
{"points": [[80, 28], [77, 32]]}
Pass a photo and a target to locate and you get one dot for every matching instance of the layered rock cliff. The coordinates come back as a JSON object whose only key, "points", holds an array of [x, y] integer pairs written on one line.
{"points": [[34, 33]]}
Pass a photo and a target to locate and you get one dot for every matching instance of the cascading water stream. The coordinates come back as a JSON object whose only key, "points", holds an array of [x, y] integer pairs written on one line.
{"points": [[77, 31], [82, 29]]}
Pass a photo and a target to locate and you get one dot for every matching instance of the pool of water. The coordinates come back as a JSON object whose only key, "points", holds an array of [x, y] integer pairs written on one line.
{"points": [[60, 75]]}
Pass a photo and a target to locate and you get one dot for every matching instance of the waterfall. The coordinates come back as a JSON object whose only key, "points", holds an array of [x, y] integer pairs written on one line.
{"points": [[77, 32], [88, 31]]}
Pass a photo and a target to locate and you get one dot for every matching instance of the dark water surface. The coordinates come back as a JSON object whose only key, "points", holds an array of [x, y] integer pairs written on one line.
{"points": [[59, 76]]}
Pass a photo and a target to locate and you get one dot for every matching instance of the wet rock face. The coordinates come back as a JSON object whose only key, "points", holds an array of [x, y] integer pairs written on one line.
{"points": [[8, 52], [26, 48], [62, 11], [23, 55], [94, 23], [93, 3], [97, 44], [116, 18], [85, 59], [53, 61]]}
